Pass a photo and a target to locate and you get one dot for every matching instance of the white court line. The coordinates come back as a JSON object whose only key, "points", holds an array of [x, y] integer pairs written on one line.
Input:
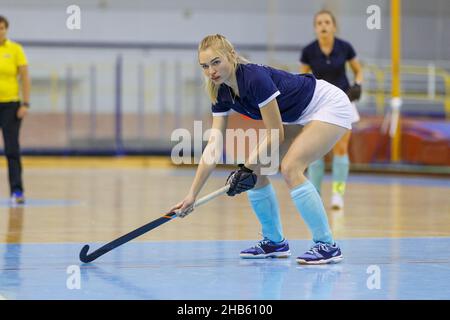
{"points": [[3, 297]]}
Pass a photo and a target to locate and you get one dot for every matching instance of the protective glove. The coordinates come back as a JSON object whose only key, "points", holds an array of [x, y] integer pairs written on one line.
{"points": [[241, 180], [354, 92]]}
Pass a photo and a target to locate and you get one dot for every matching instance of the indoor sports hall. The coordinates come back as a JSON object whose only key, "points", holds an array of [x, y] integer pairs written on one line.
{"points": [[116, 125]]}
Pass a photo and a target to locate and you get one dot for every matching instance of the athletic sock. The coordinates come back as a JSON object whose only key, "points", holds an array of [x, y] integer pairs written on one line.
{"points": [[316, 171], [310, 206], [340, 168], [265, 204]]}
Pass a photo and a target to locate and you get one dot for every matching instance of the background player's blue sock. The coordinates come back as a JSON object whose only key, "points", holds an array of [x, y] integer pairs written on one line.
{"points": [[310, 205], [340, 168], [265, 204], [316, 171]]}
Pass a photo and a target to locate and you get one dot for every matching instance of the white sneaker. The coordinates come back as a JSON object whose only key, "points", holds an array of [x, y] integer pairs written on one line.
{"points": [[337, 202]]}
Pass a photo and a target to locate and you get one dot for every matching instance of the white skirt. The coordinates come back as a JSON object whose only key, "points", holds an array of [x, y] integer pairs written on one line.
{"points": [[329, 104]]}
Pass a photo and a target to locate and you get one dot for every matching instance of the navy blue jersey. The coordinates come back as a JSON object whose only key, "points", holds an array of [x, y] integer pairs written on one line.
{"points": [[258, 85], [329, 68]]}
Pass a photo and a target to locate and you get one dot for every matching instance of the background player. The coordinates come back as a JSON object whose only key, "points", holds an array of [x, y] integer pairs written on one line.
{"points": [[326, 58], [13, 67]]}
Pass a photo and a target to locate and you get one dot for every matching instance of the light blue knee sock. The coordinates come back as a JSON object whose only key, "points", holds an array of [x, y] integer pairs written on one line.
{"points": [[340, 167], [316, 171], [309, 203], [265, 204]]}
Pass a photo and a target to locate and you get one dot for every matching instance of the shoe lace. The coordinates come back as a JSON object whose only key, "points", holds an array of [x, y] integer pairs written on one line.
{"points": [[262, 242], [317, 247]]}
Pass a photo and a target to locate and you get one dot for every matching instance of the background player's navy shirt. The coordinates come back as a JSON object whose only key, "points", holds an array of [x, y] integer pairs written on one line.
{"points": [[329, 68], [259, 84]]}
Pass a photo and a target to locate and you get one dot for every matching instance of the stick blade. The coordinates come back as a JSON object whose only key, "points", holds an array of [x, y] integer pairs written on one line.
{"points": [[83, 254]]}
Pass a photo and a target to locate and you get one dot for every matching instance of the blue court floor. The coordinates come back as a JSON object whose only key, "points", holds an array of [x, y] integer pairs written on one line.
{"points": [[407, 268]]}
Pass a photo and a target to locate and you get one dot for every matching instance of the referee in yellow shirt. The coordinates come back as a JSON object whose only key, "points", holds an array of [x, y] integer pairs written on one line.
{"points": [[13, 67]]}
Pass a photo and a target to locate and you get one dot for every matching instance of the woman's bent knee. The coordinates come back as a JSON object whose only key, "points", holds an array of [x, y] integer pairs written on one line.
{"points": [[293, 172]]}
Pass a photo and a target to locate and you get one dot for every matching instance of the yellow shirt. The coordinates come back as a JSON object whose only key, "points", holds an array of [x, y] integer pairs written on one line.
{"points": [[12, 56]]}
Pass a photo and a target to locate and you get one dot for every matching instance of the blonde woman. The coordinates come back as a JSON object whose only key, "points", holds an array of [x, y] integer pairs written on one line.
{"points": [[309, 115], [326, 58]]}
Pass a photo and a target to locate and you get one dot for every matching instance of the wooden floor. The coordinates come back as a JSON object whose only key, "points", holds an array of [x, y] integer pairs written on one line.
{"points": [[98, 200]]}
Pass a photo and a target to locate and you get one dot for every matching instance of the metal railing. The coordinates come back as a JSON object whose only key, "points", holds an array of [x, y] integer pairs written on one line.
{"points": [[431, 74]]}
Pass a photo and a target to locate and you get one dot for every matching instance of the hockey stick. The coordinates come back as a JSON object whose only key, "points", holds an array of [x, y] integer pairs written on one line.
{"points": [[85, 257]]}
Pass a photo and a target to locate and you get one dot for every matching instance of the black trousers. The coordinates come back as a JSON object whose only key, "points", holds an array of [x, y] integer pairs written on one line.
{"points": [[10, 125]]}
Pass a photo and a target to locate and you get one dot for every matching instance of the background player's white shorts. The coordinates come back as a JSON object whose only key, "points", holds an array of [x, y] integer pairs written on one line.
{"points": [[329, 104]]}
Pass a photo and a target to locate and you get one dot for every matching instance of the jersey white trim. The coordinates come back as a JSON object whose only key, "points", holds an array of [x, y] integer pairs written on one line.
{"points": [[221, 114], [262, 104]]}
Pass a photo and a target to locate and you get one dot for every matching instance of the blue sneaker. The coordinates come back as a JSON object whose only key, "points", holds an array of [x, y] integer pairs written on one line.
{"points": [[17, 197], [267, 249], [321, 253]]}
